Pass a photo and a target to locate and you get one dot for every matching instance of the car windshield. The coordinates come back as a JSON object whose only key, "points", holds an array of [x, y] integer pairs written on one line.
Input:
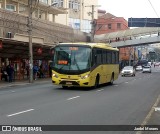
{"points": [[71, 58], [128, 68]]}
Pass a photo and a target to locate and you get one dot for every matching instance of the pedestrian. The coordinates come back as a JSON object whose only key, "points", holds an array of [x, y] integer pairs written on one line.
{"points": [[10, 71], [35, 71], [27, 70]]}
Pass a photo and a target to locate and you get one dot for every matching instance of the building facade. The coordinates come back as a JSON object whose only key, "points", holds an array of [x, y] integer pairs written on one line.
{"points": [[79, 13], [14, 41], [107, 23]]}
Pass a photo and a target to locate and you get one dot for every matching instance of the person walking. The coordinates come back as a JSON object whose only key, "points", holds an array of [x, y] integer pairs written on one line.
{"points": [[35, 71], [10, 72]]}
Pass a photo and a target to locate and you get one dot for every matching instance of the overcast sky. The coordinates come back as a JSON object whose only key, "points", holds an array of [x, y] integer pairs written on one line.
{"points": [[131, 8]]}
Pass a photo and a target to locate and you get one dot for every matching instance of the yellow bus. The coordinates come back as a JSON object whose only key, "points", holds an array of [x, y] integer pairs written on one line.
{"points": [[84, 64]]}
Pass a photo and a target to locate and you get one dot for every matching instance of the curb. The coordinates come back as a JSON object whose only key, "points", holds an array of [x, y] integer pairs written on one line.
{"points": [[23, 83]]}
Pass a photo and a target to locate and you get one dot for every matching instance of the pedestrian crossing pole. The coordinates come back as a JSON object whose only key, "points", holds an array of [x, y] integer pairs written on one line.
{"points": [[30, 41]]}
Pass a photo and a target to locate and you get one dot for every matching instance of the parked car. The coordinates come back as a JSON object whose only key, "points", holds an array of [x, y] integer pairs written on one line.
{"points": [[146, 69], [128, 71], [139, 68]]}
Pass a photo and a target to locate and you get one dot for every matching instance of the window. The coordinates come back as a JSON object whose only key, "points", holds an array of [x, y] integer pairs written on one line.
{"points": [[109, 26], [22, 8], [104, 57], [44, 1], [11, 7], [113, 57], [59, 3], [74, 4], [118, 25], [109, 57], [99, 56]]}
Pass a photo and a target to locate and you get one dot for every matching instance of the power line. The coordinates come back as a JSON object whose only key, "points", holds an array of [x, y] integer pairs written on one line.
{"points": [[153, 8]]}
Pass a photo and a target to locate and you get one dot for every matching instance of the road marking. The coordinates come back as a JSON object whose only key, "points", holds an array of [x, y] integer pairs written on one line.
{"points": [[20, 112], [156, 108], [149, 114], [73, 98], [99, 90], [115, 85], [126, 82], [13, 91]]}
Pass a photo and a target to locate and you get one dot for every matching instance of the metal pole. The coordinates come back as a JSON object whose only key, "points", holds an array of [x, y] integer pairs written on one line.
{"points": [[92, 30], [30, 41]]}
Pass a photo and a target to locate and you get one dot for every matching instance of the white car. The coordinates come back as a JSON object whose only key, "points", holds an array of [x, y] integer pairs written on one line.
{"points": [[128, 70], [139, 68], [146, 69]]}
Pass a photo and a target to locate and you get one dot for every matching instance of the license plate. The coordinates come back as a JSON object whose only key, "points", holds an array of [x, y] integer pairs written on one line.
{"points": [[69, 83]]}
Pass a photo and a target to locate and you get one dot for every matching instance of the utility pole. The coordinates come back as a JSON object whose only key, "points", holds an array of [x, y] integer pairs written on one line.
{"points": [[30, 41], [92, 21]]}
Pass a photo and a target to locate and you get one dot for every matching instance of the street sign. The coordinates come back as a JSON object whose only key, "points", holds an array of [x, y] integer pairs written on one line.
{"points": [[143, 22]]}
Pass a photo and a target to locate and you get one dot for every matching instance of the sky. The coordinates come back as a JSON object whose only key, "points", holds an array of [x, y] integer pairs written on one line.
{"points": [[131, 8]]}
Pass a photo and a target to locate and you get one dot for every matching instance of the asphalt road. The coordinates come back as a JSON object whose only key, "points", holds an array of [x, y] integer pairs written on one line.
{"points": [[128, 102]]}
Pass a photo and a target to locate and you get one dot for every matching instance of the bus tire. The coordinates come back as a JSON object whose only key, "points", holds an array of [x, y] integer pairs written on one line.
{"points": [[96, 82], [112, 79]]}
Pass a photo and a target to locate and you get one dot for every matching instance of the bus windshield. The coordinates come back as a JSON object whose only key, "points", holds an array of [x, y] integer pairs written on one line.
{"points": [[71, 58]]}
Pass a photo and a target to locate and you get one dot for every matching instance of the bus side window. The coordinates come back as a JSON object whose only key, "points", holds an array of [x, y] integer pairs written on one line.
{"points": [[94, 57]]}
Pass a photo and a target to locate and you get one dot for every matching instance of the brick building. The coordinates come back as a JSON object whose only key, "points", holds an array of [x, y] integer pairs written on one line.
{"points": [[107, 23]]}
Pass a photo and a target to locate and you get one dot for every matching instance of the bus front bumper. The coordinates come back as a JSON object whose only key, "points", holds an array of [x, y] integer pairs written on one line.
{"points": [[68, 82]]}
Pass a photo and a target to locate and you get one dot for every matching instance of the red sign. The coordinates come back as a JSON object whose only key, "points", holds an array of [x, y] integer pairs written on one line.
{"points": [[39, 50], [62, 62], [1, 45]]}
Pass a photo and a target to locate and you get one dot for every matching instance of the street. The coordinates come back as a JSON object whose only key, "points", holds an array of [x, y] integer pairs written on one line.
{"points": [[127, 102]]}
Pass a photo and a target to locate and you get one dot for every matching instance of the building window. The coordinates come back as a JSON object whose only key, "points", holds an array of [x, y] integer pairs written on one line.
{"points": [[73, 4], [59, 3], [11, 7], [118, 25], [70, 4], [23, 9], [109, 26], [44, 1]]}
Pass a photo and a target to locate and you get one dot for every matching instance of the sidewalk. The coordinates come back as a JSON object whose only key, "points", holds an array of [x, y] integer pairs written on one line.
{"points": [[4, 84]]}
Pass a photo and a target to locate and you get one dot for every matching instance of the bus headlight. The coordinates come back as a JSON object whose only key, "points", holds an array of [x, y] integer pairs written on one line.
{"points": [[84, 77], [54, 75]]}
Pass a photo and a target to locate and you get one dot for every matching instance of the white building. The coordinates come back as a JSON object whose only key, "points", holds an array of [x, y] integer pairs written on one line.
{"points": [[79, 13]]}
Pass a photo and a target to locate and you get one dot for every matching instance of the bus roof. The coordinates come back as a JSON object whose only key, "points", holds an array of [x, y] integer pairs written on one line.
{"points": [[98, 45]]}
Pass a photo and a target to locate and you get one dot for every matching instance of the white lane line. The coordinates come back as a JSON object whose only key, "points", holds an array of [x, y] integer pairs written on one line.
{"points": [[20, 112], [115, 85], [126, 82], [13, 91], [99, 90], [73, 98], [145, 122]]}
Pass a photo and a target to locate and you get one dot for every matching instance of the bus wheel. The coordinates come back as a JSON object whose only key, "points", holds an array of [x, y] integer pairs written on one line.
{"points": [[112, 79], [64, 87], [96, 82]]}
